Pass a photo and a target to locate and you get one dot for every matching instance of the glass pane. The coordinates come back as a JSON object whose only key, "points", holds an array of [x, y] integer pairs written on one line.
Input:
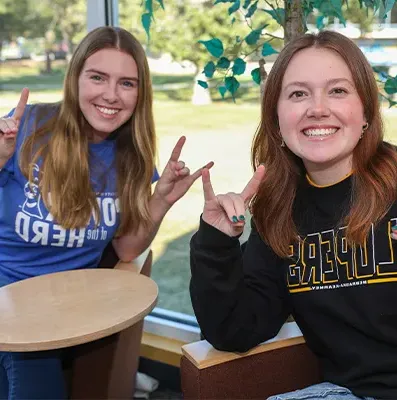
{"points": [[35, 48], [221, 132]]}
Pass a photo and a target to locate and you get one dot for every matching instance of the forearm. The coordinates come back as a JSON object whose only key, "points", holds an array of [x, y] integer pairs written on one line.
{"points": [[130, 246], [237, 298]]}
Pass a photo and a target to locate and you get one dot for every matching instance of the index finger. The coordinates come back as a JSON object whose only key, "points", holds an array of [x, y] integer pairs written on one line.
{"points": [[207, 186], [253, 184], [20, 109], [176, 153]]}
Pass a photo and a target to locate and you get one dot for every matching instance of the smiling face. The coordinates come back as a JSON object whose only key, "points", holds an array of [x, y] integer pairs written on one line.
{"points": [[321, 116], [108, 91]]}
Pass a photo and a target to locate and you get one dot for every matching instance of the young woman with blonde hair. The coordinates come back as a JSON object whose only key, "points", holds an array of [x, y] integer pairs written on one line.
{"points": [[76, 175], [323, 204]]}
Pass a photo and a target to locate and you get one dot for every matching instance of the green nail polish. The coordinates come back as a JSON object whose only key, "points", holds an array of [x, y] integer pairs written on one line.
{"points": [[241, 218], [394, 228], [234, 219]]}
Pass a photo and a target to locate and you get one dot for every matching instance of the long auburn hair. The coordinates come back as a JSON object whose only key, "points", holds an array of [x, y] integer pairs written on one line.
{"points": [[374, 162], [62, 144]]}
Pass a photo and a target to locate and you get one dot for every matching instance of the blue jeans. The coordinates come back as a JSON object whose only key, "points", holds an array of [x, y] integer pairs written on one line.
{"points": [[322, 391], [31, 375]]}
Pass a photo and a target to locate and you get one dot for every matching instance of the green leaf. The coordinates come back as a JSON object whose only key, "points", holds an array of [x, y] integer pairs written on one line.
{"points": [[267, 49], [146, 21], [234, 7], [392, 103], [330, 8], [388, 4], [320, 22], [307, 8], [253, 37], [277, 14], [223, 1], [214, 46], [391, 85], [209, 69], [239, 66], [324, 6], [251, 10], [246, 3], [232, 84], [222, 90], [161, 4], [256, 75], [203, 84], [223, 63], [149, 6]]}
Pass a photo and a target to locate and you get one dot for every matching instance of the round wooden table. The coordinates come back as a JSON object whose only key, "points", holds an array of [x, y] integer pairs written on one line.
{"points": [[73, 307]]}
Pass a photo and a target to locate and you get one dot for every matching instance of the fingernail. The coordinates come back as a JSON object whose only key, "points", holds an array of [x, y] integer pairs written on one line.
{"points": [[241, 218], [234, 219], [394, 228]]}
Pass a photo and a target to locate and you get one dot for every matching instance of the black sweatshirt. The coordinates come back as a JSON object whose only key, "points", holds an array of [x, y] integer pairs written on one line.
{"points": [[343, 299]]}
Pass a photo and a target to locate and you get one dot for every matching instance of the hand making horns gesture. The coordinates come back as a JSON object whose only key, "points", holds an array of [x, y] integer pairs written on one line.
{"points": [[9, 128], [226, 212], [176, 179]]}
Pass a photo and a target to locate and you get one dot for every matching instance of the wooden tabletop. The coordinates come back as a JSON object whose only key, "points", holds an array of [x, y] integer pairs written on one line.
{"points": [[73, 307]]}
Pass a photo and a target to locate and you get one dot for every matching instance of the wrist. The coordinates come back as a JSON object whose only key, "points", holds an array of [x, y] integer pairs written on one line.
{"points": [[158, 207]]}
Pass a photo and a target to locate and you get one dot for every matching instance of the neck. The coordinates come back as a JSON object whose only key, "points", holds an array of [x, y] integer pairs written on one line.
{"points": [[97, 137], [328, 175]]}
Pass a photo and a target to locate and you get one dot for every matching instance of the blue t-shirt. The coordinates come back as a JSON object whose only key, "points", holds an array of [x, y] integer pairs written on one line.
{"points": [[31, 242]]}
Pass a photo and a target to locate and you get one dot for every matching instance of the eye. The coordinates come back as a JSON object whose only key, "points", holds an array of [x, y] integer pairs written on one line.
{"points": [[130, 84], [339, 91], [297, 94], [96, 78]]}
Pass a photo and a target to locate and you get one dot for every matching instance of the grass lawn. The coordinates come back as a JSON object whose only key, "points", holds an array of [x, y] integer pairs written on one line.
{"points": [[221, 132]]}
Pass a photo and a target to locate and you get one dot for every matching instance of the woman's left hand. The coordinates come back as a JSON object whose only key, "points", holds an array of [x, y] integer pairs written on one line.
{"points": [[176, 179]]}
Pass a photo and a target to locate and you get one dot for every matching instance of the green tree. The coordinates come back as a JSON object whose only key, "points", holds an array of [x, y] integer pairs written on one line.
{"points": [[363, 17], [60, 20], [292, 16], [12, 19]]}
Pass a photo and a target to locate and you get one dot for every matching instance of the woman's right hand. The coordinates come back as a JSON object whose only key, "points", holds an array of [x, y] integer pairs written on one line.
{"points": [[9, 129], [226, 212]]}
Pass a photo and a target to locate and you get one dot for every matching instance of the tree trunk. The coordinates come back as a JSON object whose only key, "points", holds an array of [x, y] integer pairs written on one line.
{"points": [[294, 27], [200, 95], [48, 65], [294, 23]]}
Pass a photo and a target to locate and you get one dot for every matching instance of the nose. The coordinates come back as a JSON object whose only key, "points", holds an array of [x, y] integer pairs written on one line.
{"points": [[318, 107], [110, 93]]}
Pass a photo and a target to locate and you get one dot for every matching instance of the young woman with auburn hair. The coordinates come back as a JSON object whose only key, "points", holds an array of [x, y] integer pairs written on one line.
{"points": [[323, 204], [76, 175]]}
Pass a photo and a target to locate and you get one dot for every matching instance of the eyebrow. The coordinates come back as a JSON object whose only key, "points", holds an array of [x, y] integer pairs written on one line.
{"points": [[329, 82], [128, 78]]}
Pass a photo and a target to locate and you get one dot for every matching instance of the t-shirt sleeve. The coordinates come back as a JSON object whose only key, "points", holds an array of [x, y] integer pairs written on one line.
{"points": [[156, 176], [10, 114]]}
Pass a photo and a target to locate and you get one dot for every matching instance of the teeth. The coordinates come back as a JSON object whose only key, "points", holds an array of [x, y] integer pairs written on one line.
{"points": [[320, 132], [107, 111]]}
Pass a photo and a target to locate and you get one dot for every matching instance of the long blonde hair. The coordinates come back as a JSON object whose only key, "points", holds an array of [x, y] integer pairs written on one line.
{"points": [[374, 161], [62, 144]]}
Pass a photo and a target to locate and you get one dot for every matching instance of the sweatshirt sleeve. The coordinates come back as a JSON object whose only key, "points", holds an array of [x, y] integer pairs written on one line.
{"points": [[240, 298]]}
